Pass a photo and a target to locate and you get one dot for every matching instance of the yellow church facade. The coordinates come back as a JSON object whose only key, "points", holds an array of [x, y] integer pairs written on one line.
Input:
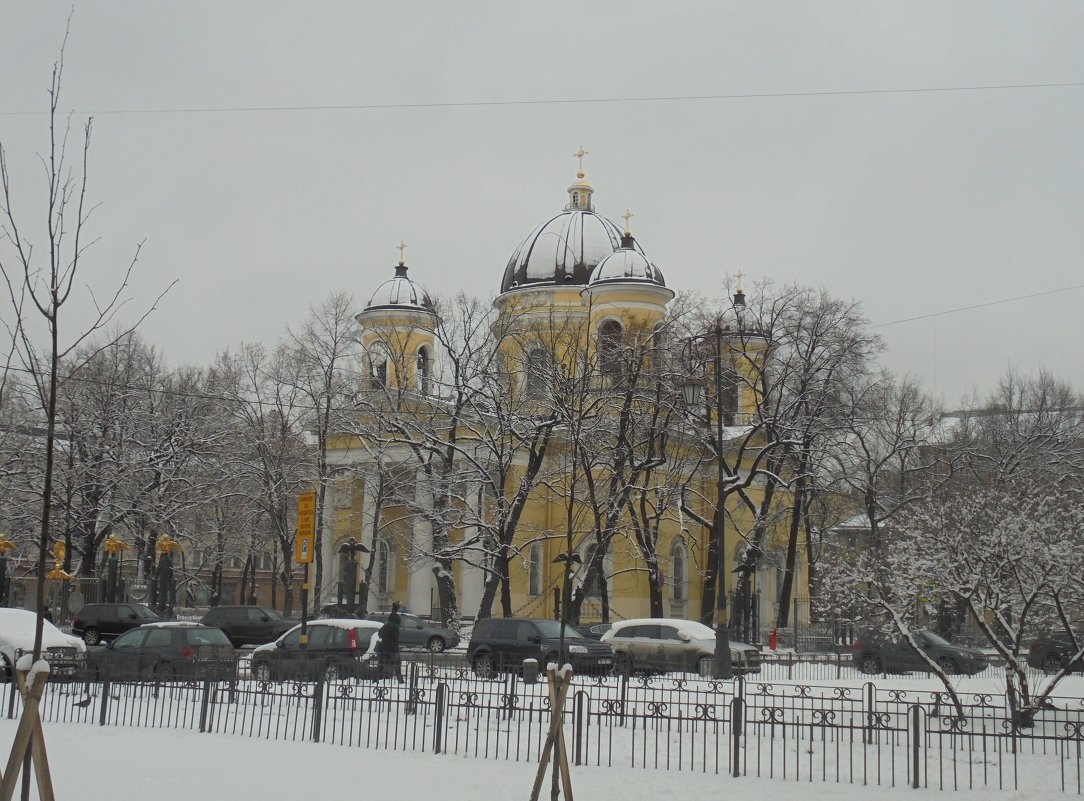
{"points": [[577, 285]]}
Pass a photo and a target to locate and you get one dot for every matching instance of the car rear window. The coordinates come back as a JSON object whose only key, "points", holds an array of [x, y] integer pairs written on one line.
{"points": [[207, 637]]}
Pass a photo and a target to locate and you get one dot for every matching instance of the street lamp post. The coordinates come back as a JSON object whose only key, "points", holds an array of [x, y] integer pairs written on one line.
{"points": [[692, 390]]}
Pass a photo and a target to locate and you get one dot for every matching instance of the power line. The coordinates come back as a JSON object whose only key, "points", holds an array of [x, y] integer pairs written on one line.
{"points": [[979, 306], [567, 101]]}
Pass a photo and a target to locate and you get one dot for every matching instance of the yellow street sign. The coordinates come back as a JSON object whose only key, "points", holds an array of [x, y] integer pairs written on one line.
{"points": [[306, 527]]}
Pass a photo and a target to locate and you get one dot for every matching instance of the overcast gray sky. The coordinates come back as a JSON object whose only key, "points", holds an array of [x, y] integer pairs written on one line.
{"points": [[911, 203]]}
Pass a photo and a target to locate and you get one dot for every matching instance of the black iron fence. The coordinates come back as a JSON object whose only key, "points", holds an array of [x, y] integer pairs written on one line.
{"points": [[736, 728]]}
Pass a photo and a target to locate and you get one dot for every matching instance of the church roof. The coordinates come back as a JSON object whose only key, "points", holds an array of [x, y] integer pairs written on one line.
{"points": [[399, 292], [567, 247], [627, 264]]}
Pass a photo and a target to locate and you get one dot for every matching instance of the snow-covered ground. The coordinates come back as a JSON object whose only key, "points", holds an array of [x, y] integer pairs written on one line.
{"points": [[110, 763]]}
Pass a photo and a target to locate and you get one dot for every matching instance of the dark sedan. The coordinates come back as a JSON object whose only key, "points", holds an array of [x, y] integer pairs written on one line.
{"points": [[1051, 654], [248, 625], [417, 633], [874, 653]]}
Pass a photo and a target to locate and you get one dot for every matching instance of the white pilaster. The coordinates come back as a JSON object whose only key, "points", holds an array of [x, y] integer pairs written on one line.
{"points": [[422, 581]]}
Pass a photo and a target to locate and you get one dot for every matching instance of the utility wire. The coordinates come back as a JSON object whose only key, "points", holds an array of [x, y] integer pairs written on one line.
{"points": [[978, 306], [568, 101]]}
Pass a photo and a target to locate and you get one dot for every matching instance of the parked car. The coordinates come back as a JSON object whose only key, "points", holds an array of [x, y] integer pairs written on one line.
{"points": [[97, 623], [499, 645], [165, 651], [417, 633], [63, 652], [334, 652], [1051, 653], [876, 653], [661, 645], [248, 625], [594, 632]]}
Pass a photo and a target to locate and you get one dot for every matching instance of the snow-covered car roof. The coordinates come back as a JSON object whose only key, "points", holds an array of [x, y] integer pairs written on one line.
{"points": [[695, 630], [336, 622], [17, 633]]}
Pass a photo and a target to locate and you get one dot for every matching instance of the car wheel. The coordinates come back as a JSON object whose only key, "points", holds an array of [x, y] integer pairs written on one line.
{"points": [[1051, 664], [948, 665], [484, 666], [164, 671], [871, 664], [263, 671], [92, 636], [333, 672], [435, 644]]}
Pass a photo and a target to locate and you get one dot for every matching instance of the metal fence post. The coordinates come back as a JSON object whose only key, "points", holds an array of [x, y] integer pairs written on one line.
{"points": [[438, 718], [11, 697], [412, 693], [318, 709], [102, 710], [868, 691], [204, 703], [915, 714], [579, 711], [737, 716]]}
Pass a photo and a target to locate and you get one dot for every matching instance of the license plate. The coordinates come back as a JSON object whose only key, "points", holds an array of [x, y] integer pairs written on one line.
{"points": [[604, 661]]}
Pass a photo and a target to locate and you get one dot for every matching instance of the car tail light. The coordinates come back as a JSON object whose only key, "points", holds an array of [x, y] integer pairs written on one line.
{"points": [[353, 639], [187, 652], [1034, 646], [76, 622], [857, 645]]}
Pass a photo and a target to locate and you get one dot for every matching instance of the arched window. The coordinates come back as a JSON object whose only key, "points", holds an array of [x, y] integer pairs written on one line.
{"points": [[535, 570], [592, 587], [679, 571], [378, 370], [730, 394], [425, 369], [658, 350], [609, 350], [385, 567], [539, 369], [575, 200]]}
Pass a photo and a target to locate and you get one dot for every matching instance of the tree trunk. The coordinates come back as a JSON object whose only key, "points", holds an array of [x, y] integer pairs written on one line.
{"points": [[787, 590]]}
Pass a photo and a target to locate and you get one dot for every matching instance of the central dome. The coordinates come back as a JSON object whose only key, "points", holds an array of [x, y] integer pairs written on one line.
{"points": [[563, 250], [566, 248]]}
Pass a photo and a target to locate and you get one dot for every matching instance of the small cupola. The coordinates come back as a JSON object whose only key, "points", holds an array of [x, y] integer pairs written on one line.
{"points": [[580, 191]]}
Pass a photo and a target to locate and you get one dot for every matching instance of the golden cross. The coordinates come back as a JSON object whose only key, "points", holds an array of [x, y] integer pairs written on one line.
{"points": [[628, 215], [402, 247], [579, 154], [740, 276]]}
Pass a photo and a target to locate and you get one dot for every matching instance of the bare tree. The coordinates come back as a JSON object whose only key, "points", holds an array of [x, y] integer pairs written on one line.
{"points": [[40, 288]]}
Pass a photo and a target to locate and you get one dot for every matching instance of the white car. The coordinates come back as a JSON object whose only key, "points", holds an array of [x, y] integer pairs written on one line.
{"points": [[63, 652], [661, 645]]}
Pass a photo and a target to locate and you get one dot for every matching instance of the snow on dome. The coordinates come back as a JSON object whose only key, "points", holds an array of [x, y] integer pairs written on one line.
{"points": [[626, 264], [563, 250], [399, 292]]}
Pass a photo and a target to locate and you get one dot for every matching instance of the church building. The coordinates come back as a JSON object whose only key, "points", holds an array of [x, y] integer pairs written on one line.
{"points": [[577, 290]]}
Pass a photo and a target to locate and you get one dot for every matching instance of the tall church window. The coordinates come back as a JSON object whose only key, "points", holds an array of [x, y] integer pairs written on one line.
{"points": [[425, 369], [679, 571], [592, 587], [385, 567], [730, 394], [609, 350], [539, 367], [535, 568], [378, 370]]}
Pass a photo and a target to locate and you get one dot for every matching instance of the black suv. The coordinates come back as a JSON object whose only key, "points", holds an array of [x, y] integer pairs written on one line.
{"points": [[248, 625], [501, 644], [97, 623], [166, 651]]}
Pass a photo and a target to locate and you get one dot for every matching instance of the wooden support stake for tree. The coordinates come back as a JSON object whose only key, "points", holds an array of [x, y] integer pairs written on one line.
{"points": [[29, 735], [555, 737]]}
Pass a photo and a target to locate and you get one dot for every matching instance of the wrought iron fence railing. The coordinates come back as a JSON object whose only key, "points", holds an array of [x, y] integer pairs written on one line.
{"points": [[756, 726]]}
